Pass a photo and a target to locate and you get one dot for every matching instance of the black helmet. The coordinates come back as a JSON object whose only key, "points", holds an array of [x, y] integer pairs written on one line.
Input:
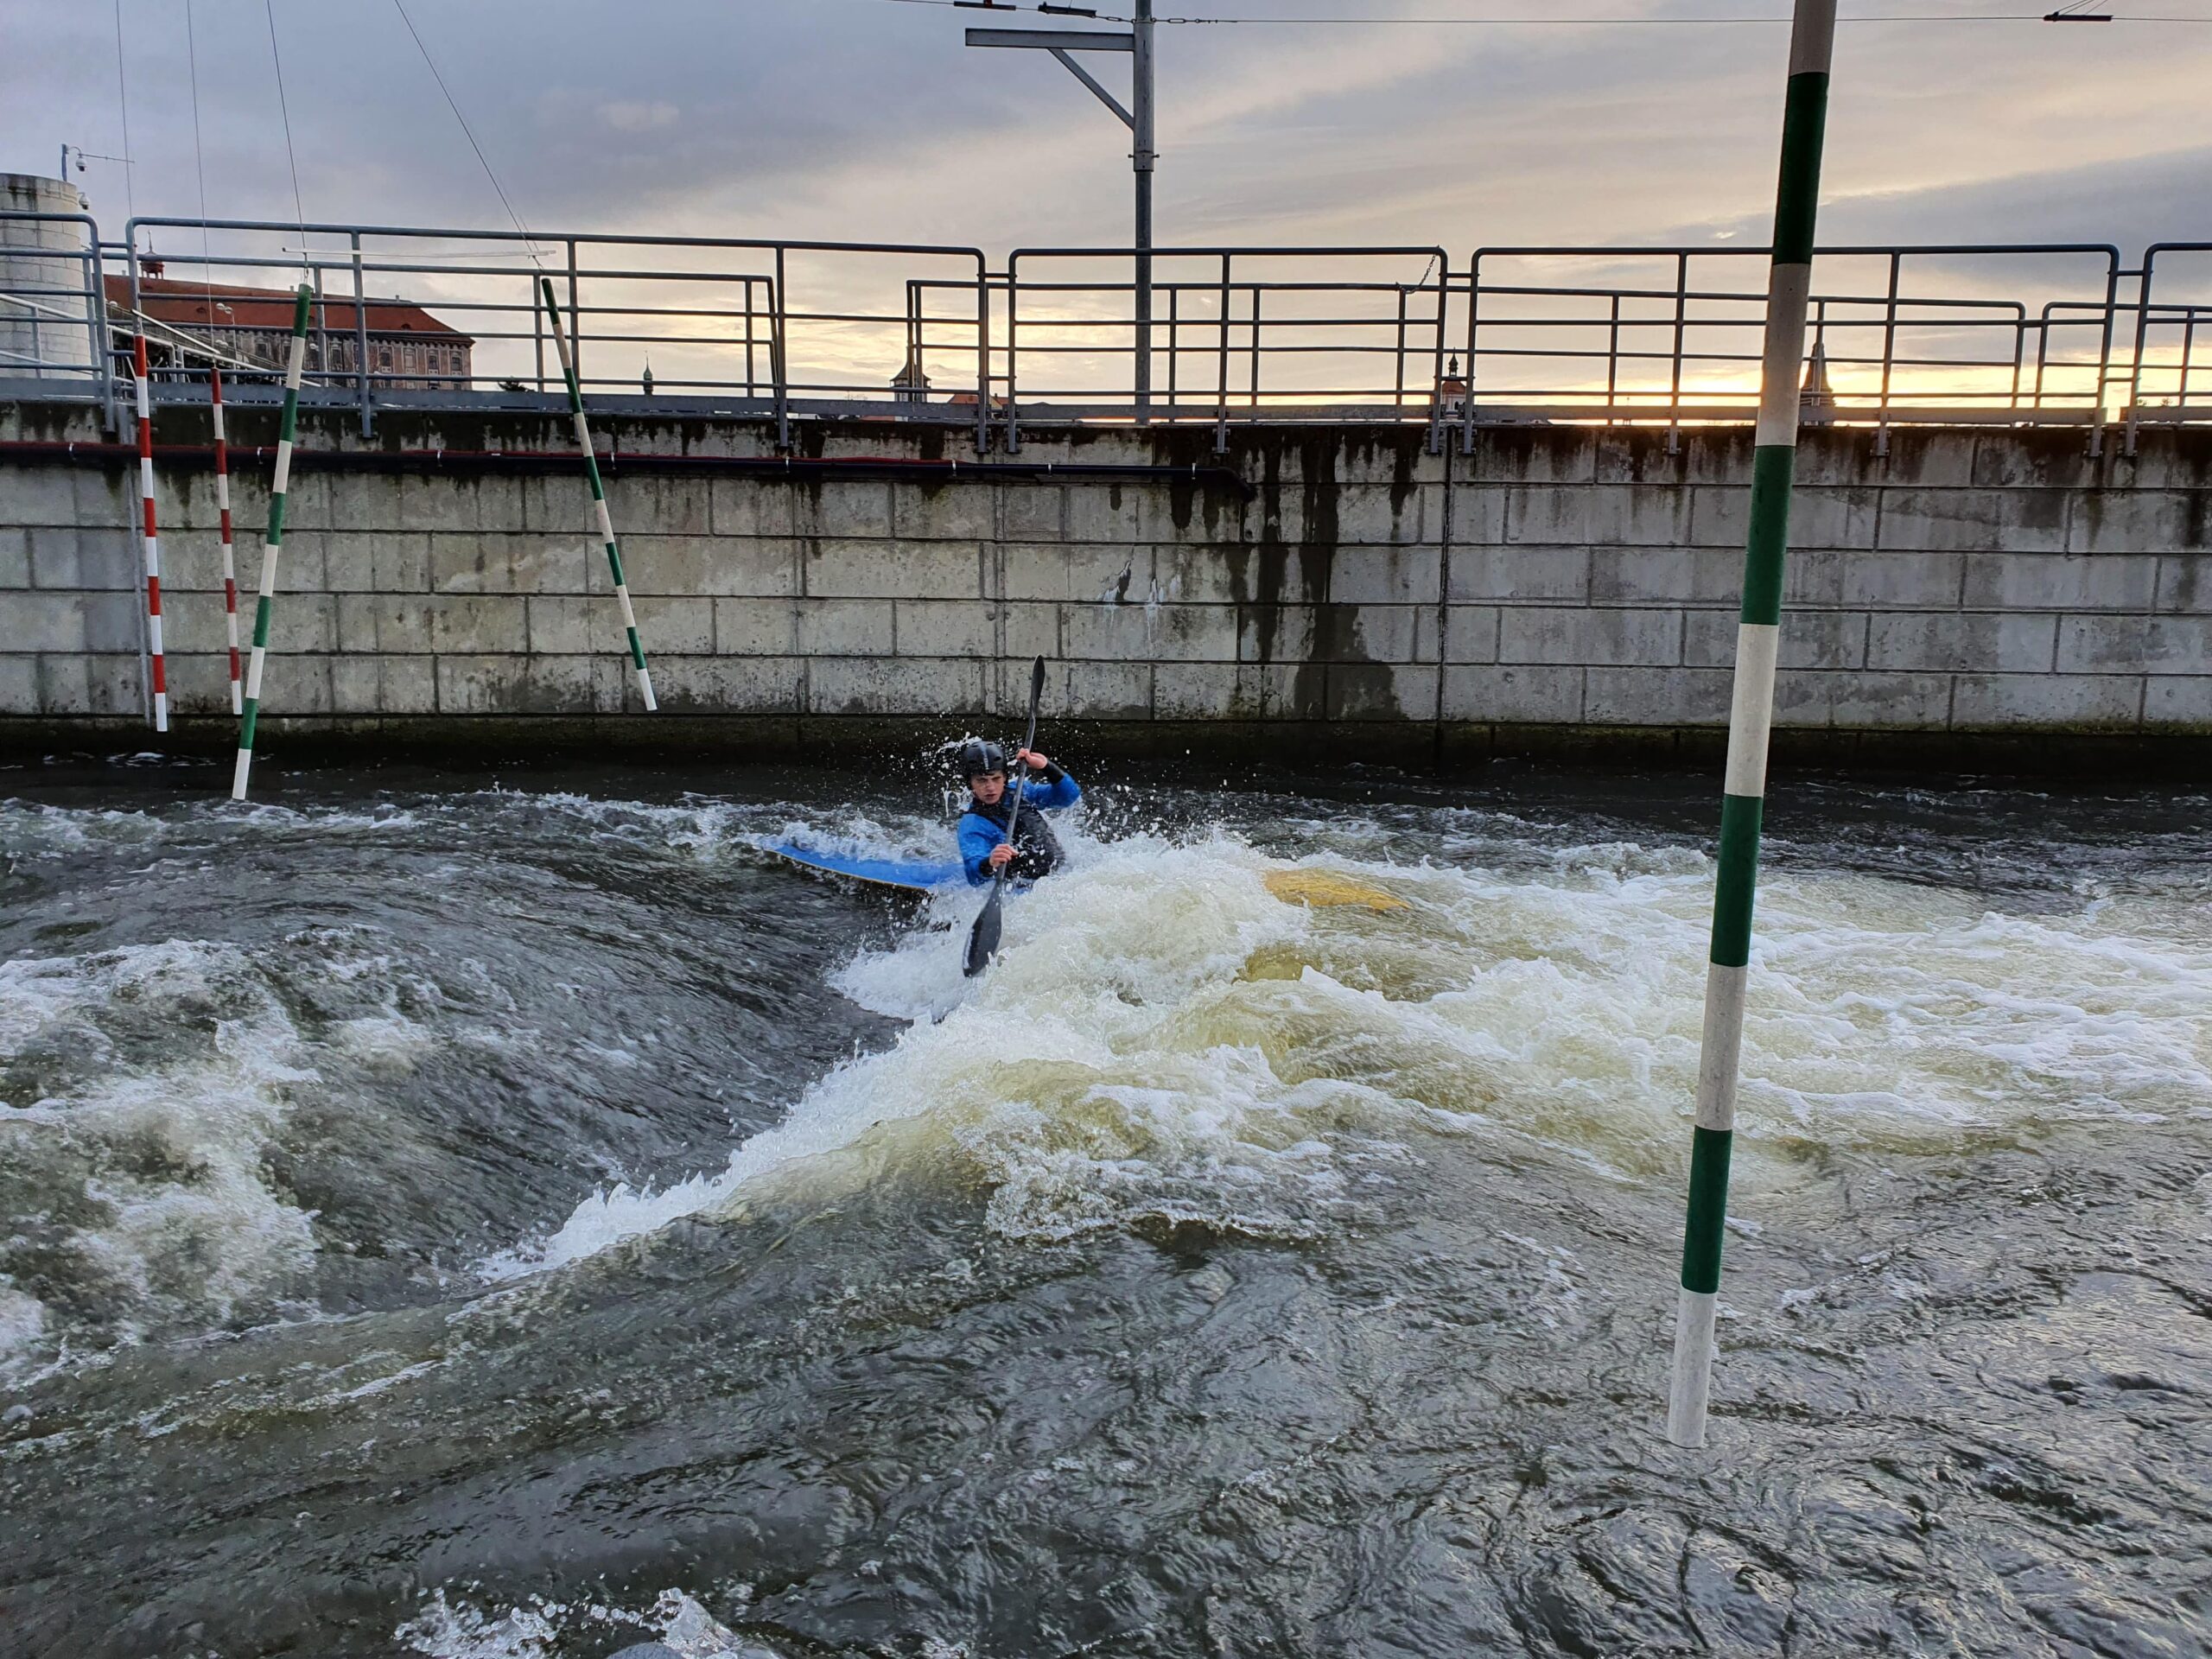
{"points": [[977, 757]]}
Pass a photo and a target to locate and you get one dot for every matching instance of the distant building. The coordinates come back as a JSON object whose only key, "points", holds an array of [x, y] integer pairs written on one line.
{"points": [[408, 347]]}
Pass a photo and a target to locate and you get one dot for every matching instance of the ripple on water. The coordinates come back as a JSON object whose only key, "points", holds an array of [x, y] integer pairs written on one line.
{"points": [[1244, 1275]]}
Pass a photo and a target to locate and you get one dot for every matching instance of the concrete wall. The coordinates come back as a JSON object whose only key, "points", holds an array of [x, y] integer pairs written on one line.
{"points": [[1969, 595]]}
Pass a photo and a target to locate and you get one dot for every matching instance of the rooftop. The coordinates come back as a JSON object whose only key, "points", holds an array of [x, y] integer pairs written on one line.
{"points": [[202, 305]]}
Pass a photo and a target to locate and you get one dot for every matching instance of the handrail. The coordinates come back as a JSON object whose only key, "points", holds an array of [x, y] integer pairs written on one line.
{"points": [[803, 328]]}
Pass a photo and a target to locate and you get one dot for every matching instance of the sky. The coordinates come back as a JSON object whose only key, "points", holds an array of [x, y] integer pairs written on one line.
{"points": [[866, 120]]}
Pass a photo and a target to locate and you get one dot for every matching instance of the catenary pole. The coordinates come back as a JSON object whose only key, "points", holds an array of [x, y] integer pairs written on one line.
{"points": [[273, 542], [223, 517], [1063, 44], [598, 492], [1751, 718], [150, 540]]}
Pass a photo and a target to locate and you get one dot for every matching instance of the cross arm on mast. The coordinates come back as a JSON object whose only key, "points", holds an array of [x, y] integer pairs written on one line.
{"points": [[1060, 42], [1092, 81], [1136, 116], [1057, 40]]}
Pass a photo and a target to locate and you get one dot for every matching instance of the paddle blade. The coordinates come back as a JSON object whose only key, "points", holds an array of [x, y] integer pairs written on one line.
{"points": [[983, 938]]}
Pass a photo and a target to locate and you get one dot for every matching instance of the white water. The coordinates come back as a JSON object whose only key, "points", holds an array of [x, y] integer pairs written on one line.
{"points": [[1164, 1038], [179, 1067], [446, 1629]]}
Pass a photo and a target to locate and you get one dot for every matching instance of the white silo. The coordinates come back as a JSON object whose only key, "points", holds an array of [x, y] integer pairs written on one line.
{"points": [[46, 323]]}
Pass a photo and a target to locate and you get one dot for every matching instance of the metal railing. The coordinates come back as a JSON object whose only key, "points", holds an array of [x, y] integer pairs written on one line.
{"points": [[53, 320], [1343, 330], [408, 317], [2187, 321], [1664, 341], [748, 326]]}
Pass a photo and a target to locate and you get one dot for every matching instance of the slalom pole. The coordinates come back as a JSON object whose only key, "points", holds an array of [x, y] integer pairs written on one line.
{"points": [[1750, 717], [273, 542], [598, 491], [150, 540], [223, 511]]}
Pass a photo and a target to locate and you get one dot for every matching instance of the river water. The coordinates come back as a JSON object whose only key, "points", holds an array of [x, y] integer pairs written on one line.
{"points": [[517, 1221]]}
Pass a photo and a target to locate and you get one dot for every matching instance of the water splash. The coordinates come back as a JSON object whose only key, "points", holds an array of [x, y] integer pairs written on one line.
{"points": [[1163, 1038]]}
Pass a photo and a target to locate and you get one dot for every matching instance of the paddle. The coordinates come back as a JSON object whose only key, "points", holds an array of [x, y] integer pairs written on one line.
{"points": [[983, 938]]}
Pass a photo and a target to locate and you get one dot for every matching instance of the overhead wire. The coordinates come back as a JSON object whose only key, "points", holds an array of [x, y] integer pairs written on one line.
{"points": [[284, 109], [123, 98], [1527, 21], [530, 241], [2068, 11], [199, 159]]}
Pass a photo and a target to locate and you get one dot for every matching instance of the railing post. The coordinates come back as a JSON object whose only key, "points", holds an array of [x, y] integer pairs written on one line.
{"points": [[982, 357], [1142, 159], [1220, 376], [1474, 303], [316, 280], [749, 380], [2142, 342], [1398, 390], [1889, 351], [1013, 383], [1613, 359], [97, 339], [1750, 717], [1436, 362], [1174, 318], [131, 256], [574, 365], [1256, 347], [361, 382], [2019, 355], [1674, 377], [778, 304], [2043, 353]]}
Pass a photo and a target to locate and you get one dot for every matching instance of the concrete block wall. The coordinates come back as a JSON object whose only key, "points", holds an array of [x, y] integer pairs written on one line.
{"points": [[1557, 581]]}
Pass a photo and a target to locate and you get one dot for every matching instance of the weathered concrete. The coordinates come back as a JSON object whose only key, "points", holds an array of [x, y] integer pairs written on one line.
{"points": [[1994, 596]]}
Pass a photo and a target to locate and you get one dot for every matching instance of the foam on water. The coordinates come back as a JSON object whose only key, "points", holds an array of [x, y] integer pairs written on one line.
{"points": [[451, 1627], [154, 1080], [1162, 1038]]}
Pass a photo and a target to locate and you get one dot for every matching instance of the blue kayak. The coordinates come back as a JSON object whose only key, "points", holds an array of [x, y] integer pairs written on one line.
{"points": [[909, 874]]}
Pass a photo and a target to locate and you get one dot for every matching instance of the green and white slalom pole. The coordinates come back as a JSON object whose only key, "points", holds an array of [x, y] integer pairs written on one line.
{"points": [[598, 492], [1812, 40], [273, 542]]}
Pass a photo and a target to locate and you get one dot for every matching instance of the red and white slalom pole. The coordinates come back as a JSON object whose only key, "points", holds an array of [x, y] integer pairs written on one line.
{"points": [[153, 542], [223, 508]]}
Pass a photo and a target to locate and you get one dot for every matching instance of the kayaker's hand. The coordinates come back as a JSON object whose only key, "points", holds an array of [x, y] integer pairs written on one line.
{"points": [[1033, 760], [1001, 856]]}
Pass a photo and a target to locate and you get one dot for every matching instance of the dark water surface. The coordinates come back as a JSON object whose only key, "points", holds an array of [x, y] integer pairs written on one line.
{"points": [[512, 1221]]}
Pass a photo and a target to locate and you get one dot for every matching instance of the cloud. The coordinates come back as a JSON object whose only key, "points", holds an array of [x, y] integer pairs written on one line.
{"points": [[856, 119], [625, 114]]}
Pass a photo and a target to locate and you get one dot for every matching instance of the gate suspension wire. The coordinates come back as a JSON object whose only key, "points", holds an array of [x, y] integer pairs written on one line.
{"points": [[215, 378]]}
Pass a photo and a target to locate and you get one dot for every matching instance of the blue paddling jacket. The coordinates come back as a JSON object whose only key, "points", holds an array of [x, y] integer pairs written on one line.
{"points": [[1036, 850]]}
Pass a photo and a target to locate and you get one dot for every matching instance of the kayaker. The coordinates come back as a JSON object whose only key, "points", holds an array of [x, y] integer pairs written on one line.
{"points": [[1034, 850]]}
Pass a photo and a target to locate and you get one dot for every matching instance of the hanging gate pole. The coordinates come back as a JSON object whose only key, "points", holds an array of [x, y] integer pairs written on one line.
{"points": [[1751, 718], [151, 541], [223, 514], [599, 491], [274, 541]]}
